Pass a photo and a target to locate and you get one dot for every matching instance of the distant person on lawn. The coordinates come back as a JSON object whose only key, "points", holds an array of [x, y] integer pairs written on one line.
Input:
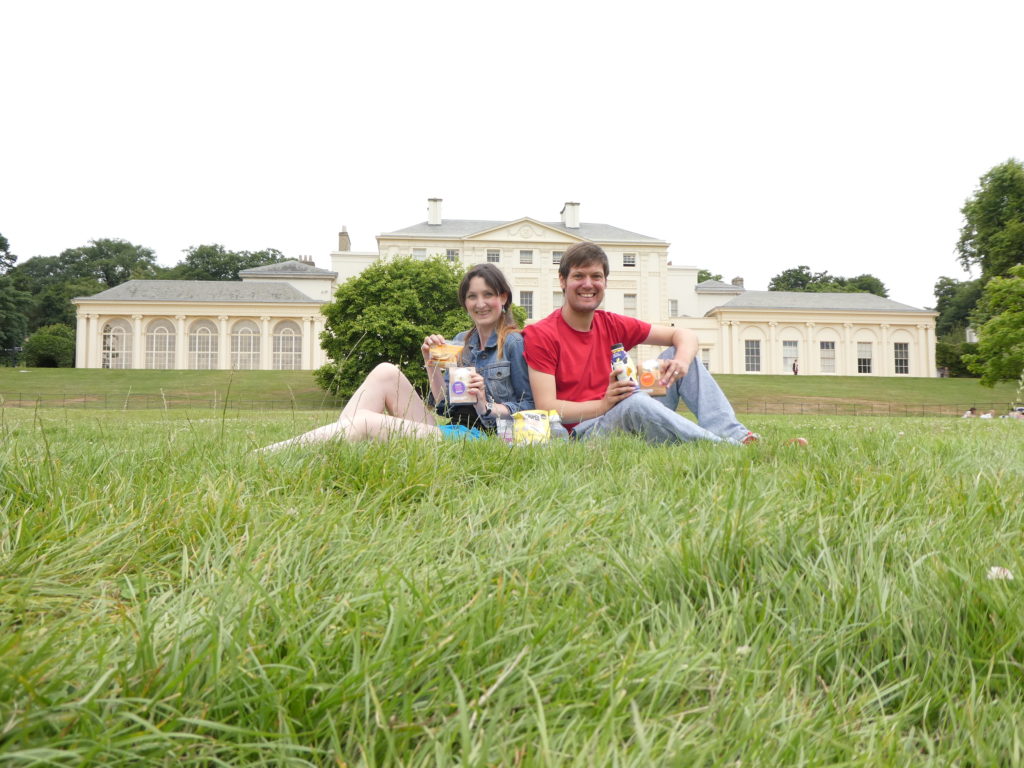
{"points": [[386, 405], [569, 355]]}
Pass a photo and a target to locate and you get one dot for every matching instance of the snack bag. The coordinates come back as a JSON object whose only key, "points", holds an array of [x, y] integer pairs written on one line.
{"points": [[650, 375], [443, 355], [531, 427], [622, 364]]}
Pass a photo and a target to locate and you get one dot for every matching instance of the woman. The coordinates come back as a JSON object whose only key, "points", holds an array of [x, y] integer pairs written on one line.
{"points": [[386, 404]]}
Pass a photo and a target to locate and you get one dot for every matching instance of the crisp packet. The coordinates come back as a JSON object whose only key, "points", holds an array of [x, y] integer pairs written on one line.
{"points": [[531, 427]]}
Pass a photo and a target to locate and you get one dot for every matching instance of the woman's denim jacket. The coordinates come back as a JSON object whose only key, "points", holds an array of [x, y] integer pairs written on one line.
{"points": [[507, 379]]}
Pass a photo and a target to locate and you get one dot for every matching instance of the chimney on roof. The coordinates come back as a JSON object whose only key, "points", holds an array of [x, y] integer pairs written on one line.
{"points": [[571, 215], [344, 244], [307, 260], [434, 211], [738, 282]]}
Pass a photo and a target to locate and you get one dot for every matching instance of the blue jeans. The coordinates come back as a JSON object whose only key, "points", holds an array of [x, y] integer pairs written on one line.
{"points": [[655, 418]]}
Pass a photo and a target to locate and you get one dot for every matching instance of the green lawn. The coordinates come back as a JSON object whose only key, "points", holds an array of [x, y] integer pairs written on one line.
{"points": [[169, 598], [263, 389]]}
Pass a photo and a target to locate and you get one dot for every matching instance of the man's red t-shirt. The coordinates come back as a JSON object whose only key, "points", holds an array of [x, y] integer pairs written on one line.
{"points": [[580, 361]]}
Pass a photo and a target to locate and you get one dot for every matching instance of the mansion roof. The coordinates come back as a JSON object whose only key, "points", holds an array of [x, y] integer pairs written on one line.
{"points": [[257, 292], [290, 268], [459, 228], [798, 300]]}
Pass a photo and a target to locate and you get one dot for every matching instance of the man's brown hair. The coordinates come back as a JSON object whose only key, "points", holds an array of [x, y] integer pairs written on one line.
{"points": [[582, 253]]}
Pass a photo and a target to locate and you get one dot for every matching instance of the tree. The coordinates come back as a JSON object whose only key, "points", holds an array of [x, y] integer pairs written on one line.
{"points": [[803, 280], [992, 237], [52, 346], [109, 261], [383, 314], [215, 262], [14, 306], [954, 301], [704, 274], [7, 258], [1000, 353]]}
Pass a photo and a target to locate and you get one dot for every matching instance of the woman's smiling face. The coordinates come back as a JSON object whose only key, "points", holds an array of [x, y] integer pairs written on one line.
{"points": [[483, 303]]}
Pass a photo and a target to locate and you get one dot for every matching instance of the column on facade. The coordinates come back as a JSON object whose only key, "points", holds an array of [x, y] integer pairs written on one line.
{"points": [[925, 352], [734, 335], [849, 367], [929, 352], [809, 362], [772, 351], [888, 366], [223, 344], [307, 340], [81, 339], [266, 362], [137, 345], [95, 342], [180, 344]]}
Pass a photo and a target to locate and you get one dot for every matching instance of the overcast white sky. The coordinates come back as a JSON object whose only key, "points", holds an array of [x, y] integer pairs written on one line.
{"points": [[753, 136]]}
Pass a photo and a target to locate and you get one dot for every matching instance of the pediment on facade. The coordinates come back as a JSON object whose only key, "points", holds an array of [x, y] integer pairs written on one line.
{"points": [[525, 230]]}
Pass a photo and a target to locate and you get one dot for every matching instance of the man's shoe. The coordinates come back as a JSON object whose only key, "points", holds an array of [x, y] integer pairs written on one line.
{"points": [[752, 437]]}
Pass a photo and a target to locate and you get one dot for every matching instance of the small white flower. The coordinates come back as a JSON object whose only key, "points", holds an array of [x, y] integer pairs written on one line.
{"points": [[998, 572], [743, 650]]}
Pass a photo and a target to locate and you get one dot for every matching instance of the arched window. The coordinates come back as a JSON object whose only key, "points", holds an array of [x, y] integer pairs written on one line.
{"points": [[202, 346], [287, 346], [160, 345], [245, 346], [117, 344]]}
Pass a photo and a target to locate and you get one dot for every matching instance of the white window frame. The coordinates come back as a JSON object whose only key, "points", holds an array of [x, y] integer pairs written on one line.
{"points": [[630, 303], [526, 302], [901, 358], [287, 346], [629, 259], [161, 344], [203, 346], [556, 257], [752, 355], [526, 257], [493, 256], [673, 307], [245, 346], [827, 356], [865, 357]]}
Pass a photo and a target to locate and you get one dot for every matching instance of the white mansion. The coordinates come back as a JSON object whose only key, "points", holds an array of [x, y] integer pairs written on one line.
{"points": [[270, 319]]}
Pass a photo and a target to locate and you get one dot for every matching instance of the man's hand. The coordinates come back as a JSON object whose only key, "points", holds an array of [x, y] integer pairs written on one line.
{"points": [[617, 392], [671, 371]]}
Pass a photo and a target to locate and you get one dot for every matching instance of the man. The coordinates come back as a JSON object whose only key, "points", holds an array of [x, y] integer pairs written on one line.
{"points": [[569, 356]]}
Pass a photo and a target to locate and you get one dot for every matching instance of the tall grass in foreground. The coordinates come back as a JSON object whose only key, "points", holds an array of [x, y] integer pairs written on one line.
{"points": [[168, 598]]}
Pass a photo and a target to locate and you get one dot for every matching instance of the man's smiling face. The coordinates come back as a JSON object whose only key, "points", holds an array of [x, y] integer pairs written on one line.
{"points": [[584, 287]]}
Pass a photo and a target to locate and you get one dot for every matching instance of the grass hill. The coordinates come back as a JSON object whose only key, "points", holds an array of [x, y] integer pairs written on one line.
{"points": [[835, 395]]}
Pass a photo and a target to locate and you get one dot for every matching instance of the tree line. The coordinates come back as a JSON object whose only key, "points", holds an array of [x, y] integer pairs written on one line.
{"points": [[36, 312]]}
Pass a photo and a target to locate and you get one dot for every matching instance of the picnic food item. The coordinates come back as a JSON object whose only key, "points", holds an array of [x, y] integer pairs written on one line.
{"points": [[622, 364], [531, 427], [458, 384], [443, 355], [650, 376]]}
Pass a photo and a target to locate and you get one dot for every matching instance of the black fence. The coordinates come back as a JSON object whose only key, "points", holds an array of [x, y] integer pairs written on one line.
{"points": [[141, 402], [144, 402]]}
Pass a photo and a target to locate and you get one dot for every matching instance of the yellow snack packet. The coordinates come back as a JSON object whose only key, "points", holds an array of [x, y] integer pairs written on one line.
{"points": [[531, 427]]}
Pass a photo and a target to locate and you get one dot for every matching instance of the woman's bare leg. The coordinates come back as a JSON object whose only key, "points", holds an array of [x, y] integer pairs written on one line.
{"points": [[363, 425], [386, 390]]}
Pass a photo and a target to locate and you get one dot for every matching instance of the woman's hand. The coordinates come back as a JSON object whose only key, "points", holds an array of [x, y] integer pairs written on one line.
{"points": [[478, 388], [432, 340]]}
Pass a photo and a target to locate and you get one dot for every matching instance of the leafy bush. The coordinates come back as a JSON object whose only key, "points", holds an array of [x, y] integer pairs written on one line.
{"points": [[52, 346], [383, 314]]}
